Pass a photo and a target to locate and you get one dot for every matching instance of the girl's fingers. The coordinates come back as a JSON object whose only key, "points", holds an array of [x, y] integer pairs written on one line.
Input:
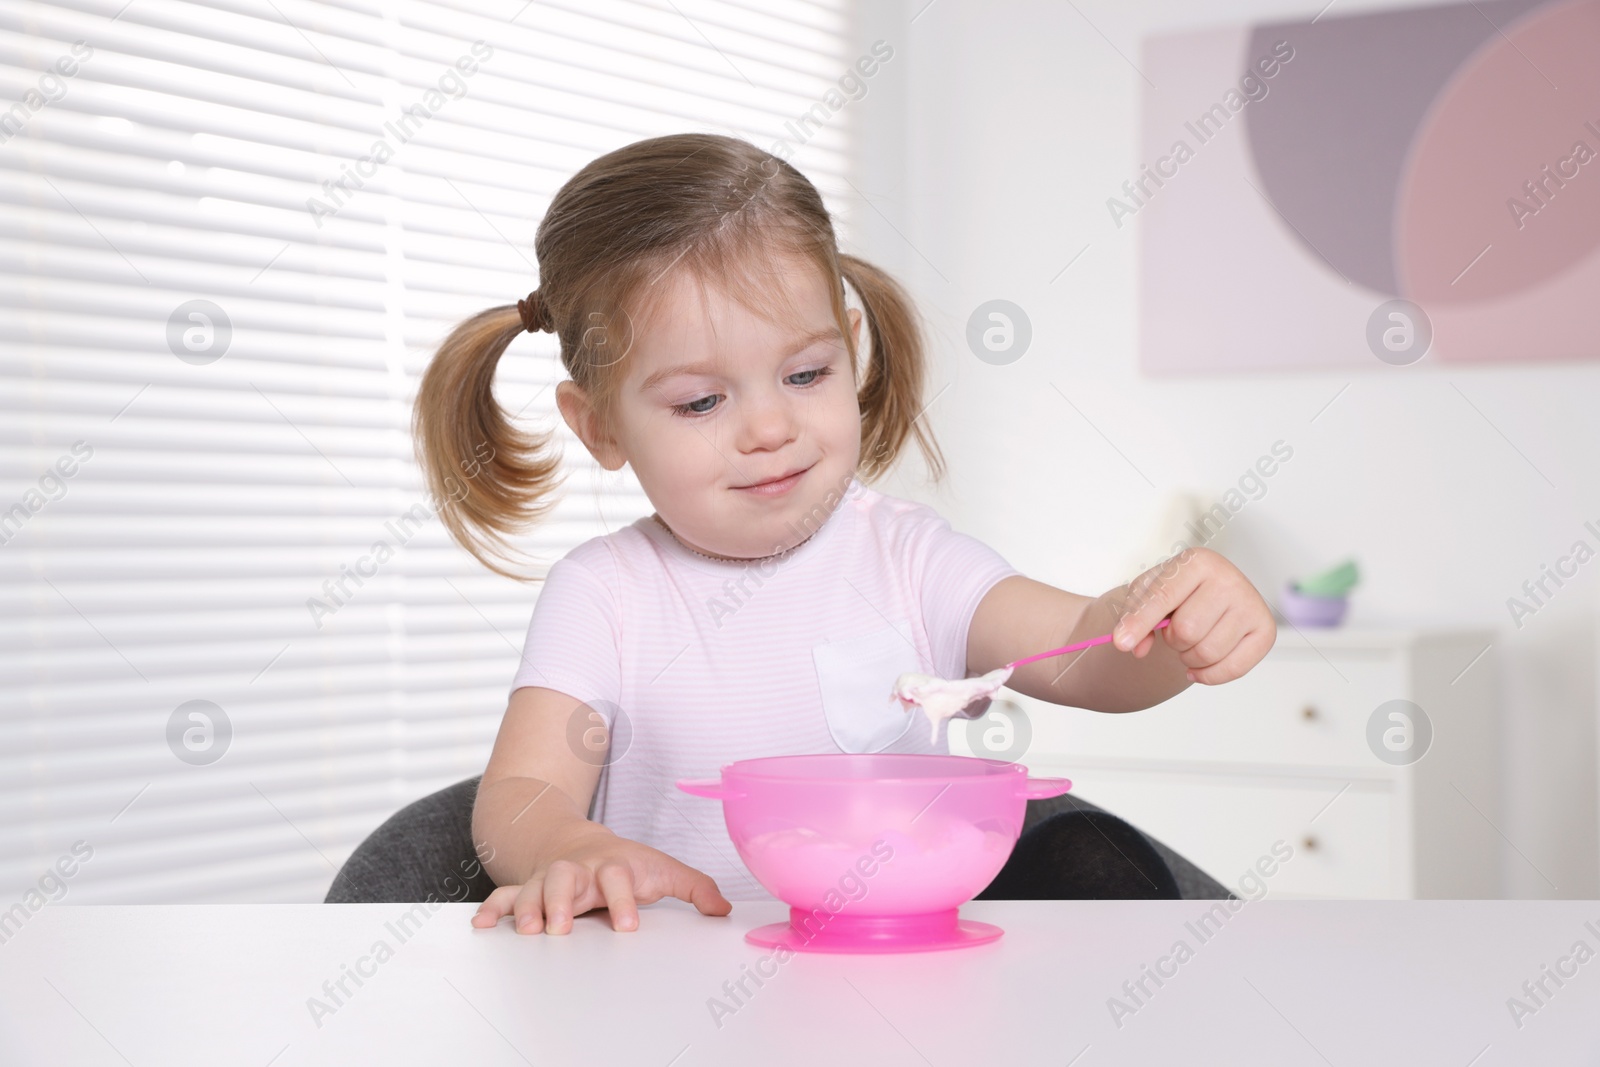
{"points": [[1155, 593], [550, 901], [1246, 654], [698, 889], [1193, 620], [529, 907], [1223, 637], [616, 885], [496, 906], [561, 888]]}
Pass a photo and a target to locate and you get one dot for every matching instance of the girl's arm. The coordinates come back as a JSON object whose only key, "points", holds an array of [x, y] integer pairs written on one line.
{"points": [[1220, 629], [535, 789], [531, 831]]}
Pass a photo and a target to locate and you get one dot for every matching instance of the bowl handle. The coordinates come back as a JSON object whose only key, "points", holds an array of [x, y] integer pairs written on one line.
{"points": [[1040, 788], [707, 787]]}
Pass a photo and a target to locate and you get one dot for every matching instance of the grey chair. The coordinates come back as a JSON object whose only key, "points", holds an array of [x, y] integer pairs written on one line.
{"points": [[424, 851]]}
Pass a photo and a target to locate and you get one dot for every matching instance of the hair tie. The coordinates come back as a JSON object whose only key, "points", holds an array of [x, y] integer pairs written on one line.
{"points": [[535, 315]]}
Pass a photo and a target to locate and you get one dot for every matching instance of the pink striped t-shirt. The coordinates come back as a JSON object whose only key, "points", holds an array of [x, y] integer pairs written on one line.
{"points": [[695, 662]]}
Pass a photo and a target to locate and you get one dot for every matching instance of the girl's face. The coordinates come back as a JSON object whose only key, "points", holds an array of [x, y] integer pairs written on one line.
{"points": [[739, 427]]}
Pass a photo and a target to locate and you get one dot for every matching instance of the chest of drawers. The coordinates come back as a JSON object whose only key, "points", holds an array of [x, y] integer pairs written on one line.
{"points": [[1291, 753]]}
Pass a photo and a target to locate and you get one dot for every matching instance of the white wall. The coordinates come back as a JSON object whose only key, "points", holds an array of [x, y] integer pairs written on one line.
{"points": [[992, 141]]}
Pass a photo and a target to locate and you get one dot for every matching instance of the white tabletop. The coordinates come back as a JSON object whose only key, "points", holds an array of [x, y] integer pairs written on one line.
{"points": [[1281, 982]]}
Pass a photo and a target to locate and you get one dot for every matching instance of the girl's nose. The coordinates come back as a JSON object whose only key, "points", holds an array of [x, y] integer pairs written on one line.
{"points": [[770, 422]]}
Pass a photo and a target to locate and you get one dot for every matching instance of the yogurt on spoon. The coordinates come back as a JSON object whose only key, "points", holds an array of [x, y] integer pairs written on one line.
{"points": [[944, 698]]}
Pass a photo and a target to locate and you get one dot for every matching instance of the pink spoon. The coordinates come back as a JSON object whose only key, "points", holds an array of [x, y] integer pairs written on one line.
{"points": [[1102, 639]]}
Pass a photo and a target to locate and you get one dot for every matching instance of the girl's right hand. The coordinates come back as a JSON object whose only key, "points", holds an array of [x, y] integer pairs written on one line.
{"points": [[595, 868]]}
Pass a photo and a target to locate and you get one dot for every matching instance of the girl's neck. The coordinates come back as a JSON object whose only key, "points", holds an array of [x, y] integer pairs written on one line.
{"points": [[728, 559]]}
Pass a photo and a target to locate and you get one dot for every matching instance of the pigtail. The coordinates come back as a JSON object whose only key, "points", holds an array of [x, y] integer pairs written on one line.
{"points": [[487, 478], [891, 394]]}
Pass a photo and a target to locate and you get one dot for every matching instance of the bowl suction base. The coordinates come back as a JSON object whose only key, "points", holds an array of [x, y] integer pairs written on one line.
{"points": [[820, 931]]}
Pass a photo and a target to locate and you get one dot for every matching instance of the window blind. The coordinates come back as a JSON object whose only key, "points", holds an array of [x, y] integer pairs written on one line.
{"points": [[231, 235]]}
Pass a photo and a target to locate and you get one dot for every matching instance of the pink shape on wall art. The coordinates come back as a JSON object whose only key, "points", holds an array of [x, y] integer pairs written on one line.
{"points": [[1448, 156], [1499, 211]]}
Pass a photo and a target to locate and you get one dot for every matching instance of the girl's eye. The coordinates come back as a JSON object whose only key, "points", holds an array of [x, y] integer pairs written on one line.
{"points": [[811, 376], [694, 407]]}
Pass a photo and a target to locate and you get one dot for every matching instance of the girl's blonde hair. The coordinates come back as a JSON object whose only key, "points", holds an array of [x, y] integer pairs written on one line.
{"points": [[715, 205]]}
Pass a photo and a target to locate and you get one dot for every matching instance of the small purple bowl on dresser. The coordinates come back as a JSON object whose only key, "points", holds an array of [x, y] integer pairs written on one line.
{"points": [[1302, 609]]}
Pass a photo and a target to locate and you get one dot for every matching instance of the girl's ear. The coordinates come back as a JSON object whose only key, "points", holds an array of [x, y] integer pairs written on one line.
{"points": [[855, 343], [582, 419]]}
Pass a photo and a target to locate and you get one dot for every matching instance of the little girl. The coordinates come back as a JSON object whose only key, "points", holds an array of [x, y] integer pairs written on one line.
{"points": [[770, 602]]}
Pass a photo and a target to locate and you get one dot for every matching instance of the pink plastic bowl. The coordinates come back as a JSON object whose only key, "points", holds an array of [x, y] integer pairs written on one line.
{"points": [[874, 853]]}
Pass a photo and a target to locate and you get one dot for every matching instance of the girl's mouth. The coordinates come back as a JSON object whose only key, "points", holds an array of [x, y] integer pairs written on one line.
{"points": [[775, 487]]}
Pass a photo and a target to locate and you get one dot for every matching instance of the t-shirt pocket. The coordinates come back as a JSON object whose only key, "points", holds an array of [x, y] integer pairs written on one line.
{"points": [[857, 677]]}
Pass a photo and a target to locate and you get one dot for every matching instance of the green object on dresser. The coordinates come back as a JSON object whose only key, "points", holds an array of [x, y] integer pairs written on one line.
{"points": [[1336, 581]]}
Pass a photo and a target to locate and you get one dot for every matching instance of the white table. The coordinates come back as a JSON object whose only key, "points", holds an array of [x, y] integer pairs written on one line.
{"points": [[1281, 983]]}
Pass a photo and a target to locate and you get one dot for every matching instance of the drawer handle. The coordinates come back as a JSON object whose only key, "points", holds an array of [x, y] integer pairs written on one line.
{"points": [[1310, 843], [1309, 713]]}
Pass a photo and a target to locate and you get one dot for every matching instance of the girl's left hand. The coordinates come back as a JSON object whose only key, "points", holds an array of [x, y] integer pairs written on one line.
{"points": [[1220, 626]]}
